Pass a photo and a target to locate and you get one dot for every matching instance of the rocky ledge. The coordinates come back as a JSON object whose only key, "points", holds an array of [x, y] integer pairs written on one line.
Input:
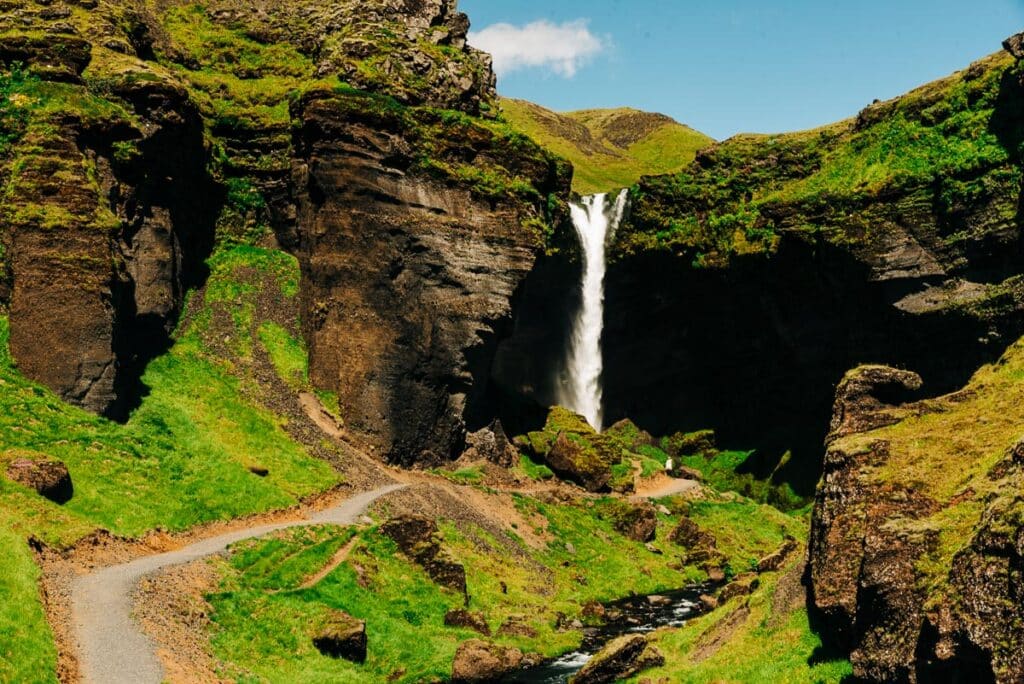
{"points": [[917, 549]]}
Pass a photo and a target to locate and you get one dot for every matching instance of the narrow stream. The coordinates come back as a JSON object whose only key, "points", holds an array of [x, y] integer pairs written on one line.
{"points": [[638, 614]]}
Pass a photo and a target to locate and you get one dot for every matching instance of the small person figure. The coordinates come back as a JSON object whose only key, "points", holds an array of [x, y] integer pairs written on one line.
{"points": [[670, 467]]}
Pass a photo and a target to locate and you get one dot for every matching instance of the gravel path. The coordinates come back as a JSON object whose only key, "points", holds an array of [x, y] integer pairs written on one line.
{"points": [[112, 648]]}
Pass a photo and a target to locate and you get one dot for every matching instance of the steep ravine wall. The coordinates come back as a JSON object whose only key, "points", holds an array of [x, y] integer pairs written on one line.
{"points": [[742, 289], [356, 135]]}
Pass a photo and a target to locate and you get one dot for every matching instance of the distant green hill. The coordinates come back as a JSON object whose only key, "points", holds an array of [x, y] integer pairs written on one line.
{"points": [[610, 148]]}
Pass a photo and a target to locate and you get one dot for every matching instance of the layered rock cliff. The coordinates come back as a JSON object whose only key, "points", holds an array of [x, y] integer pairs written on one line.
{"points": [[915, 554], [354, 134], [744, 287]]}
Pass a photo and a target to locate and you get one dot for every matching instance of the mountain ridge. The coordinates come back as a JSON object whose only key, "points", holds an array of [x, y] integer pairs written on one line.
{"points": [[609, 148]]}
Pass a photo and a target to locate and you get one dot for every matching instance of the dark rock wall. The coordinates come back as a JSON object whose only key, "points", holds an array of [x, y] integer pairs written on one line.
{"points": [[755, 351], [409, 281]]}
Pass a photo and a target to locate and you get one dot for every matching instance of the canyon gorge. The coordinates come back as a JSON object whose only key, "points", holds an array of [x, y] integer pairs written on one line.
{"points": [[260, 257]]}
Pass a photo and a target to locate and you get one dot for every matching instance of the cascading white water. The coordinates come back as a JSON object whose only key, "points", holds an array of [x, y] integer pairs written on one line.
{"points": [[596, 221]]}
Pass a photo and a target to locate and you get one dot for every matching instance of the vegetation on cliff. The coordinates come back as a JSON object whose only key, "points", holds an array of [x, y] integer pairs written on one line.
{"points": [[920, 502], [947, 146], [608, 148]]}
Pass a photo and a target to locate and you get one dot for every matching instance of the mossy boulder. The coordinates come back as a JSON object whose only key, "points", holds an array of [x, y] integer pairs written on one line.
{"points": [[629, 435], [482, 661], [574, 450], [636, 522], [572, 459], [47, 477], [689, 443], [467, 619], [342, 636]]}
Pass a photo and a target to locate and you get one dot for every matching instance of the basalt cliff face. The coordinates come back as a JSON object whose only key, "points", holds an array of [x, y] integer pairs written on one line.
{"points": [[354, 134], [743, 288]]}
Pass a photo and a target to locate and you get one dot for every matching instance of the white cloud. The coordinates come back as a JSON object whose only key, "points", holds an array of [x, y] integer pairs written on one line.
{"points": [[561, 48]]}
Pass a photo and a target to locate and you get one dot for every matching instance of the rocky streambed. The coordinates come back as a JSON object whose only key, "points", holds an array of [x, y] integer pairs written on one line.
{"points": [[636, 615]]}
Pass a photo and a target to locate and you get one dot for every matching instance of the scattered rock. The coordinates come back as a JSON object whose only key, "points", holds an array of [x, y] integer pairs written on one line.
{"points": [[593, 610], [49, 478], [708, 603], [481, 661], [474, 620], [744, 585], [259, 471], [620, 659], [342, 636], [570, 548], [516, 625], [651, 548], [659, 601], [774, 561], [418, 538], [688, 534], [639, 523]]}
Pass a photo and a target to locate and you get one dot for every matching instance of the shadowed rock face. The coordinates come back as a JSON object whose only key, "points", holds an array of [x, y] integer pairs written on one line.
{"points": [[915, 555], [95, 297], [384, 187], [408, 280]]}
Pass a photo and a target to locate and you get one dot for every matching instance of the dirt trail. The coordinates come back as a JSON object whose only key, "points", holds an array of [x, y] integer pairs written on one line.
{"points": [[111, 645], [662, 485]]}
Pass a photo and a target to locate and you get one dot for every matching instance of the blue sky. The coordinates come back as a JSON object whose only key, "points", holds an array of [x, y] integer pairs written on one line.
{"points": [[730, 66]]}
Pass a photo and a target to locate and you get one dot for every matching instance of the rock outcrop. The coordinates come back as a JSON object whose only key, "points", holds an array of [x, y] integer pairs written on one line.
{"points": [[915, 550], [758, 276], [354, 134], [622, 658], [419, 539], [482, 661]]}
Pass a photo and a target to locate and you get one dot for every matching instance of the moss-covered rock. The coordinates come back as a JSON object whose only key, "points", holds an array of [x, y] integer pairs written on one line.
{"points": [[913, 563]]}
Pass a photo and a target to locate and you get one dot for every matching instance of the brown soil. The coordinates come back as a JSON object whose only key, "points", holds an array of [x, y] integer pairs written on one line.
{"points": [[172, 609]]}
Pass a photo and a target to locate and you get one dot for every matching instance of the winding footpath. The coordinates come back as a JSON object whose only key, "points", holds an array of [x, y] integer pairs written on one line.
{"points": [[112, 649]]}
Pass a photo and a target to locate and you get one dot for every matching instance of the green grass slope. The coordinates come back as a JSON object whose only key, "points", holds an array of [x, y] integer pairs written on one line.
{"points": [[182, 459], [263, 613], [609, 148]]}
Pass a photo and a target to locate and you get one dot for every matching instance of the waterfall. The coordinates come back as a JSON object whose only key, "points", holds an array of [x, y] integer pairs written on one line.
{"points": [[595, 220]]}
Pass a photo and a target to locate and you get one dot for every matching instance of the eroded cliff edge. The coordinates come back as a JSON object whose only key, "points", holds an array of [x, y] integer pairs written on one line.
{"points": [[355, 135]]}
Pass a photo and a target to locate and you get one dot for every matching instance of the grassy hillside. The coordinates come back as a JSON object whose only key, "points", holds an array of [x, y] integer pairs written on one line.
{"points": [[609, 148], [950, 144]]}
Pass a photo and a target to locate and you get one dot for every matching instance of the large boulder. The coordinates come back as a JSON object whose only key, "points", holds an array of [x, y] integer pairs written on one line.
{"points": [[620, 659], [639, 523], [419, 539], [492, 444], [690, 443], [1015, 45], [49, 478], [481, 661], [342, 636], [572, 460]]}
